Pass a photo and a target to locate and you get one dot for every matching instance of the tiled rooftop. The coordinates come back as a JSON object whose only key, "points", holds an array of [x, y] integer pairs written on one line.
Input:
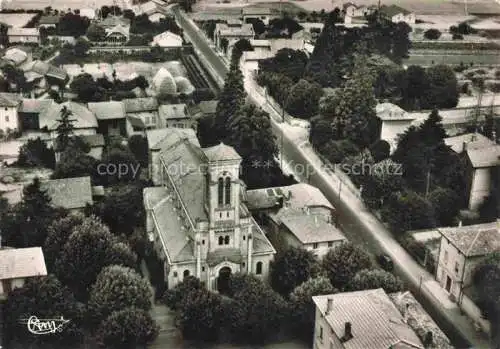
{"points": [[21, 262], [474, 240], [69, 193], [309, 228]]}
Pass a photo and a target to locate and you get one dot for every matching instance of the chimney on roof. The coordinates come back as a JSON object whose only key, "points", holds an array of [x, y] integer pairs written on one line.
{"points": [[429, 337], [459, 223], [347, 332], [316, 221], [329, 306]]}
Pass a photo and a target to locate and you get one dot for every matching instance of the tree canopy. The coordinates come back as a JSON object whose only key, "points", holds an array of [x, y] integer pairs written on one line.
{"points": [[376, 278]]}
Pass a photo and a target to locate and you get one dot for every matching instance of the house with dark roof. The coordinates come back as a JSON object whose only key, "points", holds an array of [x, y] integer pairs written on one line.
{"points": [[196, 218], [232, 34], [482, 156], [110, 117], [49, 21], [203, 109], [361, 320], [18, 265], [264, 13], [397, 14], [9, 106], [176, 115], [72, 194], [141, 113], [461, 249], [297, 215]]}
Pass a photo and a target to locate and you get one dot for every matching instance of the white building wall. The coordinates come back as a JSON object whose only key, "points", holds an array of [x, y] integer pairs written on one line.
{"points": [[450, 264], [8, 118], [480, 187], [391, 129]]}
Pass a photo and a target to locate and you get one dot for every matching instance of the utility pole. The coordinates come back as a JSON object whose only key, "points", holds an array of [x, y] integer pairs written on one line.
{"points": [[282, 130]]}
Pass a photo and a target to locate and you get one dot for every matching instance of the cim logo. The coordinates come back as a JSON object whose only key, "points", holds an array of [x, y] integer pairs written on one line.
{"points": [[44, 326]]}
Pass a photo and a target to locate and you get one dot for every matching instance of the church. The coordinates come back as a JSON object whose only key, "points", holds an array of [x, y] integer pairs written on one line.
{"points": [[196, 214]]}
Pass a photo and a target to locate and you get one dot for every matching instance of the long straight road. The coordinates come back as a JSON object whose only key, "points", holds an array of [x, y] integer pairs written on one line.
{"points": [[358, 223]]}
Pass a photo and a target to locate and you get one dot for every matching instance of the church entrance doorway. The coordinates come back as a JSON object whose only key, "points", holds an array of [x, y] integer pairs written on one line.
{"points": [[223, 280]]}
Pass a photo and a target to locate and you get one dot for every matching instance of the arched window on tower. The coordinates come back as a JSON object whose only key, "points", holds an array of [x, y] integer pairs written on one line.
{"points": [[228, 191], [258, 269], [226, 240], [221, 192], [186, 273], [221, 240]]}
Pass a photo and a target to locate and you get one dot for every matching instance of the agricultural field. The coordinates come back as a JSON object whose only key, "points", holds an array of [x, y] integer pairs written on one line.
{"points": [[425, 59], [420, 7], [16, 20]]}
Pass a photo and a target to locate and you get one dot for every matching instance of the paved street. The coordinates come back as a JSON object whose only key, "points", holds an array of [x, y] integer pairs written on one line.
{"points": [[357, 222]]}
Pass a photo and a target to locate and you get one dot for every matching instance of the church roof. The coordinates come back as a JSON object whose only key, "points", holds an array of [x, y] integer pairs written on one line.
{"points": [[221, 152]]}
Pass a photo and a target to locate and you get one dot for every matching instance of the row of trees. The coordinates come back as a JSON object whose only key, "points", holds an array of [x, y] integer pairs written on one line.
{"points": [[253, 312], [92, 282], [245, 127], [89, 89]]}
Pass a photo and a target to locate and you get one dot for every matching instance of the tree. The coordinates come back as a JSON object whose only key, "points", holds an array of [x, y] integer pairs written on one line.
{"points": [[291, 63], [174, 297], [96, 33], [127, 328], [201, 315], [375, 278], [25, 225], [122, 209], [35, 153], [64, 129], [327, 50], [486, 281], [259, 27], [303, 308], [71, 24], [81, 47], [89, 249], [75, 163], [291, 268], [241, 46], [432, 34], [118, 154], [413, 85], [303, 99], [408, 211], [16, 79], [57, 235], [343, 262], [401, 43], [118, 287], [352, 109], [231, 99], [257, 311], [443, 91], [44, 297], [380, 150], [86, 88], [465, 28], [446, 204]]}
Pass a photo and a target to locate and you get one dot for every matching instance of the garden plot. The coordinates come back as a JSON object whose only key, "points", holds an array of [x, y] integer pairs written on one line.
{"points": [[126, 70], [16, 20]]}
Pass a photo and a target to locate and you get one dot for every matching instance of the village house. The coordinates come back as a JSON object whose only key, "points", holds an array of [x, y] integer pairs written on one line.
{"points": [[112, 21], [176, 115], [298, 215], [18, 55], [73, 194], [395, 121], [461, 249], [167, 39], [42, 75], [397, 14], [141, 113], [195, 215], [352, 10], [310, 31], [23, 35], [117, 35], [9, 106], [50, 21], [361, 319], [155, 10], [40, 118], [88, 12], [483, 158], [232, 34], [110, 117], [19, 265], [254, 12], [203, 109]]}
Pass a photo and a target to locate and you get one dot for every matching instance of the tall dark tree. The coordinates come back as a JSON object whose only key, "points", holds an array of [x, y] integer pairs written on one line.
{"points": [[64, 129], [291, 268]]}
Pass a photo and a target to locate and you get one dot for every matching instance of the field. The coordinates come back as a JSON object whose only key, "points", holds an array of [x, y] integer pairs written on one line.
{"points": [[16, 20], [455, 59], [422, 7]]}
